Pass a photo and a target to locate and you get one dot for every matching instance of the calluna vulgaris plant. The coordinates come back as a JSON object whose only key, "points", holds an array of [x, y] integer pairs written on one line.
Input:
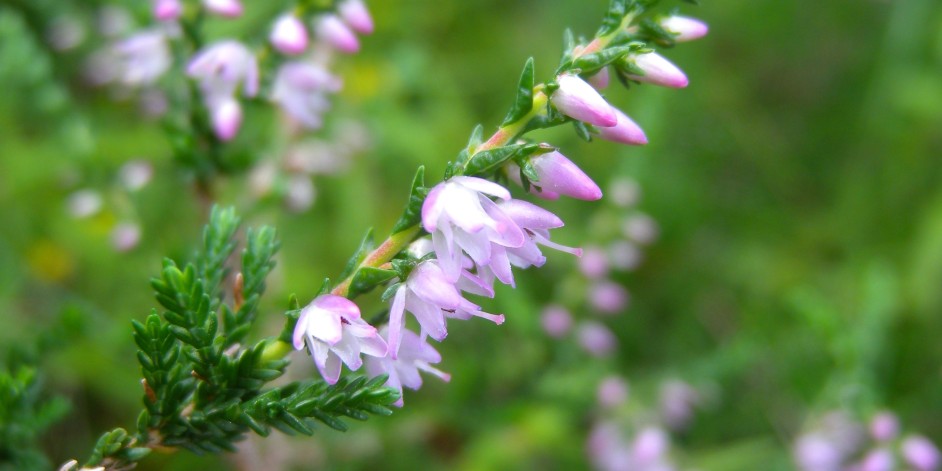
{"points": [[205, 384]]}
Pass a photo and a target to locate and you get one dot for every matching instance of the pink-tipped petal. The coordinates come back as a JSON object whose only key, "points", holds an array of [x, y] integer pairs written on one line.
{"points": [[226, 8], [227, 118], [355, 14], [339, 305], [659, 71], [529, 215], [625, 132], [288, 35], [600, 79], [559, 175], [685, 28], [333, 31], [577, 99], [167, 10]]}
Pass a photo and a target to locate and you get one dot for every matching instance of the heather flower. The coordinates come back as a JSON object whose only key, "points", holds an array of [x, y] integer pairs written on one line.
{"points": [[556, 320], [612, 392], [288, 35], [135, 174], [600, 79], [577, 99], [461, 217], [625, 131], [125, 236], [222, 67], [167, 10], [301, 88], [676, 404], [624, 255], [624, 192], [685, 28], [920, 453], [594, 263], [658, 71], [226, 8], [431, 297], [330, 29], [84, 203], [608, 297], [608, 450], [596, 339], [355, 14], [415, 354], [884, 426], [880, 459], [333, 331], [641, 228], [557, 176], [226, 117], [142, 58], [535, 223]]}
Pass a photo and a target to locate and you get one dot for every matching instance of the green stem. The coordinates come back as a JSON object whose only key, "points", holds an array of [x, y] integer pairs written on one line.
{"points": [[382, 254]]}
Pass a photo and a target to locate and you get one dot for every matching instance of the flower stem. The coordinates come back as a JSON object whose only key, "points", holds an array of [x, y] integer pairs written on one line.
{"points": [[390, 247]]}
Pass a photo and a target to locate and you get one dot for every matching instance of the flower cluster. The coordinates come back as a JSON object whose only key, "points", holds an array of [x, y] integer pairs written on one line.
{"points": [[477, 232], [838, 442]]}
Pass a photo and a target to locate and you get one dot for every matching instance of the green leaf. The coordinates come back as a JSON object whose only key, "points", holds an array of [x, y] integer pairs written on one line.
{"points": [[412, 215], [523, 103], [582, 130], [367, 278], [366, 245], [595, 61], [490, 160], [617, 10]]}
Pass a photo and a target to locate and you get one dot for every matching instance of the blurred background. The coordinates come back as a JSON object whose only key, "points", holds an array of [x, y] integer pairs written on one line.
{"points": [[776, 249]]}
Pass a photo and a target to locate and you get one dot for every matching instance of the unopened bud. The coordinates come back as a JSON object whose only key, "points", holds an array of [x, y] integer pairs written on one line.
{"points": [[355, 14], [288, 35], [331, 30], [226, 8], [227, 118], [577, 99], [658, 71], [685, 28]]}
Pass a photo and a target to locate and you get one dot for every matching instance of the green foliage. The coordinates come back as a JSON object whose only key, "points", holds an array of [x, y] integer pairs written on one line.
{"points": [[523, 102], [25, 413], [412, 214]]}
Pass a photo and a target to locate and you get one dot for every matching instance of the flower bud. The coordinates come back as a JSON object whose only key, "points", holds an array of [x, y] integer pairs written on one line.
{"points": [[641, 228], [612, 392], [884, 426], [608, 297], [577, 99], [288, 35], [125, 236], [600, 79], [331, 30], [167, 10], [658, 71], [226, 8], [685, 28], [558, 176], [596, 339], [355, 14], [920, 453], [625, 131], [593, 263], [227, 118], [556, 320]]}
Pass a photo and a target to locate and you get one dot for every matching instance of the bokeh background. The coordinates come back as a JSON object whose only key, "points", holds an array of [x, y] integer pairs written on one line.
{"points": [[795, 185]]}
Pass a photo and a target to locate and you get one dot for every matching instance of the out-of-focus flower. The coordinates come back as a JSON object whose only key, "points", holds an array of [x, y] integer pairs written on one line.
{"points": [[649, 448], [677, 401], [84, 203], [557, 176], [226, 8], [167, 10], [658, 71], [624, 255], [114, 21], [461, 217], [301, 89], [142, 58], [612, 391], [596, 339], [330, 29], [226, 116], [641, 228], [333, 331], [135, 174], [125, 236], [65, 33], [685, 28], [556, 320], [288, 35], [431, 297], [300, 193], [577, 99], [624, 192], [536, 223], [608, 297], [880, 459], [608, 449], [355, 14], [625, 131], [920, 453], [884, 426], [594, 263], [415, 355], [223, 66]]}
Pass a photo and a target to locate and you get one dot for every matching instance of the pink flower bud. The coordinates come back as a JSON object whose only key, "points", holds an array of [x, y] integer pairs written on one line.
{"points": [[649, 446], [355, 14], [884, 426], [612, 392], [608, 297], [226, 8], [686, 29], [920, 453], [331, 30], [658, 71], [227, 118], [167, 10], [625, 131], [596, 339], [880, 459], [556, 320], [125, 236], [593, 263], [577, 99], [600, 79], [288, 35], [558, 175]]}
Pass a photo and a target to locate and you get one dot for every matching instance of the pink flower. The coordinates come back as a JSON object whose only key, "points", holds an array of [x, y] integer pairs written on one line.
{"points": [[594, 263], [301, 89], [415, 354], [536, 223], [142, 58], [625, 131], [596, 339], [880, 459], [612, 392], [600, 79], [355, 14], [167, 10], [577, 99], [222, 67], [333, 31], [685, 28], [658, 71], [920, 453], [461, 217], [557, 176], [226, 116], [288, 35], [431, 297], [884, 426], [608, 297], [226, 8], [556, 320], [334, 332]]}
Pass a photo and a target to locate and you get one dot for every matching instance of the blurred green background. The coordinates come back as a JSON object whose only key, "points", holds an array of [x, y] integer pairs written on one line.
{"points": [[795, 183]]}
